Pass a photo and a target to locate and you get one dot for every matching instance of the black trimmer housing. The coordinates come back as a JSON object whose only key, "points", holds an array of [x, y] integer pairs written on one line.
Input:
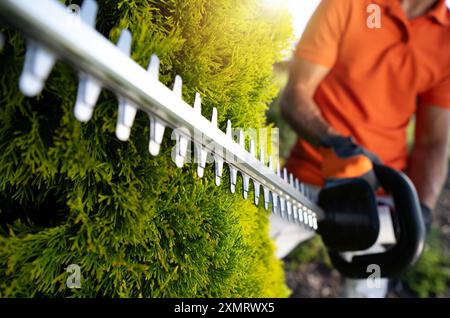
{"points": [[352, 223]]}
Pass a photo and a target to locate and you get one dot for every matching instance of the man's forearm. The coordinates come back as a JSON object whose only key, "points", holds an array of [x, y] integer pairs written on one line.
{"points": [[303, 115], [428, 170]]}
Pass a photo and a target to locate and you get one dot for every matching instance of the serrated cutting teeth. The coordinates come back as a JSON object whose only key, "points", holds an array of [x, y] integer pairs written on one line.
{"points": [[257, 189], [156, 136], [218, 170], [266, 198], [181, 147], [182, 142], [201, 156], [272, 195], [101, 64], [157, 127], [245, 185], [305, 216], [127, 109], [315, 225], [88, 12], [218, 160], [282, 206], [88, 87], [245, 178], [288, 202], [293, 206], [38, 65], [265, 190], [256, 184], [200, 153], [233, 170], [274, 198], [87, 95]]}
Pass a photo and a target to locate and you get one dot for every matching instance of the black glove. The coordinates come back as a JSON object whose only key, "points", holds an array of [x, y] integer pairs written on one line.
{"points": [[345, 147], [427, 216], [343, 154]]}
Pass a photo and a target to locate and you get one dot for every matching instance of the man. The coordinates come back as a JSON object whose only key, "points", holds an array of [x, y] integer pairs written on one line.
{"points": [[353, 76]]}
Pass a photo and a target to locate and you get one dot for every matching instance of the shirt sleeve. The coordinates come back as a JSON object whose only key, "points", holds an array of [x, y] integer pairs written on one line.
{"points": [[320, 41], [439, 95]]}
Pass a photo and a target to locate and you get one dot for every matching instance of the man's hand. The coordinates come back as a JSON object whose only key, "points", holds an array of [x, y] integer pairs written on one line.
{"points": [[429, 159], [427, 215], [345, 147], [343, 159]]}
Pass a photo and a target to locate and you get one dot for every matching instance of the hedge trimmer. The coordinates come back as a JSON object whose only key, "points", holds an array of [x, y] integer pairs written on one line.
{"points": [[346, 215]]}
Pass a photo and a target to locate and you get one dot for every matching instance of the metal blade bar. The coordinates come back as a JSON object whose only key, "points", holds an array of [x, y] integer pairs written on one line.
{"points": [[60, 35]]}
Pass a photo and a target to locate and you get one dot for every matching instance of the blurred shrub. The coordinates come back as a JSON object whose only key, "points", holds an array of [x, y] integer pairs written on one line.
{"points": [[136, 225], [431, 275], [311, 251]]}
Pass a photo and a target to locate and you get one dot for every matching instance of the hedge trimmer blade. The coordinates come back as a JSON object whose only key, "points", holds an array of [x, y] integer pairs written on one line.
{"points": [[54, 32]]}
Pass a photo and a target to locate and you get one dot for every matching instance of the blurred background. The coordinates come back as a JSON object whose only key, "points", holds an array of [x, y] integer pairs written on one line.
{"points": [[308, 269]]}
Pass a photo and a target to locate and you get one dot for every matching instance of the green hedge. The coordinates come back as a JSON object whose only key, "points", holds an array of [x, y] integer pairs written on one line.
{"points": [[137, 226], [430, 277]]}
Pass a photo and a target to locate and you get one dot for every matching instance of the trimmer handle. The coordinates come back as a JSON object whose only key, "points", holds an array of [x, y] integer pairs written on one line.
{"points": [[411, 231]]}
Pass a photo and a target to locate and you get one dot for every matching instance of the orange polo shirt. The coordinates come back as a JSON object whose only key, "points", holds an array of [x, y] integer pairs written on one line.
{"points": [[378, 77]]}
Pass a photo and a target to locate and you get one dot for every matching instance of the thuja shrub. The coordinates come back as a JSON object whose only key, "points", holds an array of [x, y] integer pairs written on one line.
{"points": [[137, 226]]}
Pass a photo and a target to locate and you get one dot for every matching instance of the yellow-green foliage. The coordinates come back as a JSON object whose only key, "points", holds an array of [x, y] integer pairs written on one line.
{"points": [[312, 251], [137, 225], [431, 275]]}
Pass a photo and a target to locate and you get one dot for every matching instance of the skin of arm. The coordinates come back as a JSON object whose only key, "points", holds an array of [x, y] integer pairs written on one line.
{"points": [[416, 8], [297, 103], [428, 166]]}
